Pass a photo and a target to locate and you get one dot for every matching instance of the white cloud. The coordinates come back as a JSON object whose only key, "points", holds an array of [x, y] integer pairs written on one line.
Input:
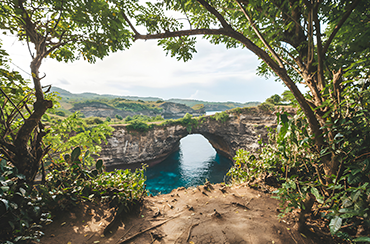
{"points": [[214, 73]]}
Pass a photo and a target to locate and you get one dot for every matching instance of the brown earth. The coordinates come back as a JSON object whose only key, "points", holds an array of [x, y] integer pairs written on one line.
{"points": [[206, 214]]}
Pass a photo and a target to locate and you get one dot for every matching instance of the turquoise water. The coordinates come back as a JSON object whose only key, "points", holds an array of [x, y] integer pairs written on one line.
{"points": [[195, 162]]}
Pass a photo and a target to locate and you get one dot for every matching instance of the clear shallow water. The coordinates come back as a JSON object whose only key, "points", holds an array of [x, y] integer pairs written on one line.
{"points": [[195, 162]]}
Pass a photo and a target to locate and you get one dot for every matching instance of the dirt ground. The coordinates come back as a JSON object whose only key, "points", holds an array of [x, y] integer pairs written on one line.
{"points": [[205, 214]]}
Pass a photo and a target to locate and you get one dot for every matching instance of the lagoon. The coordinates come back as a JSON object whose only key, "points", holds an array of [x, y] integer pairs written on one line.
{"points": [[193, 164]]}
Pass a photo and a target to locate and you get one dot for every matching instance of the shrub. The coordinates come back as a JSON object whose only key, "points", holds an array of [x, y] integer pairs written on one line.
{"points": [[94, 120], [138, 126], [266, 106], [108, 119], [222, 117], [119, 117], [73, 183], [21, 210]]}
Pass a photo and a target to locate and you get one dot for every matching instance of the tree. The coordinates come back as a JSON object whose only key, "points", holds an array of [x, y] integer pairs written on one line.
{"points": [[65, 30], [274, 99], [286, 35]]}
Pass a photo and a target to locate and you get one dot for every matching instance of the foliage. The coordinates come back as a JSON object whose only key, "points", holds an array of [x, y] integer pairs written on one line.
{"points": [[65, 134], [21, 210], [94, 120], [296, 164], [64, 30], [119, 117], [24, 209], [138, 126], [143, 118], [188, 121], [108, 119], [222, 117], [274, 99], [266, 107], [72, 183], [198, 106]]}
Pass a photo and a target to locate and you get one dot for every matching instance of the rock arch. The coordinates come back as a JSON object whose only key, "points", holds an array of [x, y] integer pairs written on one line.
{"points": [[242, 130]]}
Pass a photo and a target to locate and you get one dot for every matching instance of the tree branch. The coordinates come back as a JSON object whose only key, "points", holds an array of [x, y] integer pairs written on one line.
{"points": [[320, 56], [213, 11], [273, 53], [281, 72], [129, 23], [339, 25]]}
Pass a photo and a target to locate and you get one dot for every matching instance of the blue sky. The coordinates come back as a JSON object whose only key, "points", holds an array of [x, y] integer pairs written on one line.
{"points": [[214, 74]]}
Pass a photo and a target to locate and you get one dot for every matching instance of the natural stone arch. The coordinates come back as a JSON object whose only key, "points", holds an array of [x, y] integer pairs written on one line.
{"points": [[241, 130]]}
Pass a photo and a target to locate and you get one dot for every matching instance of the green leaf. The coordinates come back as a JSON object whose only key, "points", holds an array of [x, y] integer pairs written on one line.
{"points": [[362, 239], [67, 158], [23, 191], [356, 195], [6, 203], [316, 193], [99, 164], [335, 224], [75, 154]]}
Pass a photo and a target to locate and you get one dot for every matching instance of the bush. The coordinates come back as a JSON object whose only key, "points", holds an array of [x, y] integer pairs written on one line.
{"points": [[138, 126], [119, 117], [108, 119], [222, 117], [94, 120], [21, 210], [266, 106], [72, 183]]}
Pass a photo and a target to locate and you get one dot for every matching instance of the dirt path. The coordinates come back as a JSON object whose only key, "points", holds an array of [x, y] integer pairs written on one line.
{"points": [[206, 214]]}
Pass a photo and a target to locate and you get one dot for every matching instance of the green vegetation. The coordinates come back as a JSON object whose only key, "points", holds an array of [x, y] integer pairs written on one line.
{"points": [[293, 162], [223, 116], [118, 103], [24, 209], [94, 120], [119, 117], [198, 106]]}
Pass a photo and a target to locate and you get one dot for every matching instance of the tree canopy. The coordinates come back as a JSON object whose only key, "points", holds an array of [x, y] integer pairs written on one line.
{"points": [[65, 30]]}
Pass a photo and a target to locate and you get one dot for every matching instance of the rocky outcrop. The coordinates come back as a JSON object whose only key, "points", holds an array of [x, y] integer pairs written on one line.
{"points": [[176, 110], [241, 130], [96, 109], [170, 110]]}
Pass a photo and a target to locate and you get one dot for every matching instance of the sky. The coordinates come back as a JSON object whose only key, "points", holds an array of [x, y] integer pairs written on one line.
{"points": [[214, 74]]}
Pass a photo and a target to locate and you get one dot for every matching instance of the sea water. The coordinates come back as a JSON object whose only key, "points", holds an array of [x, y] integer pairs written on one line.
{"points": [[193, 164]]}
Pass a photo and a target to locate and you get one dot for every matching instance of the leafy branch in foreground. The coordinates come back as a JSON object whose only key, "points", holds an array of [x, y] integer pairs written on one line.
{"points": [[24, 209]]}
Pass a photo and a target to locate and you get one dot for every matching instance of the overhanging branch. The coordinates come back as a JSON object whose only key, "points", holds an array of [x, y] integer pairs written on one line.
{"points": [[339, 25]]}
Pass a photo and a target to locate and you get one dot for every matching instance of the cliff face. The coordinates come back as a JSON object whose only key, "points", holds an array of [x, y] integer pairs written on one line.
{"points": [[170, 110], [176, 110], [96, 109], [239, 131], [132, 147]]}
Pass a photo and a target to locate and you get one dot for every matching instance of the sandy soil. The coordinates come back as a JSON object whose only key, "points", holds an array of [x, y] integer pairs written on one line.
{"points": [[206, 214]]}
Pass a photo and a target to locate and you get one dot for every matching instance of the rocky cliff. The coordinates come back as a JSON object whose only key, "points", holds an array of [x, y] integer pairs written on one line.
{"points": [[241, 130], [97, 109], [176, 110], [170, 110]]}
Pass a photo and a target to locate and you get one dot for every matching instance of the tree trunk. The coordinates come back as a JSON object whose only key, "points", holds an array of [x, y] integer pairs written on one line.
{"points": [[28, 141]]}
